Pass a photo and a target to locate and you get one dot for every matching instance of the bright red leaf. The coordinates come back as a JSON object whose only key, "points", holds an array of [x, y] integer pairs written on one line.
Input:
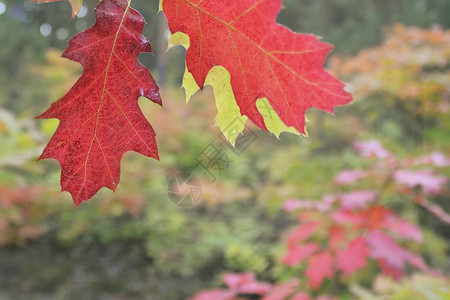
{"points": [[99, 117], [264, 58]]}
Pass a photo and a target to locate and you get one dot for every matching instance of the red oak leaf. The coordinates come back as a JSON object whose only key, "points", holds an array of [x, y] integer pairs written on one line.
{"points": [[264, 59], [354, 257], [99, 117], [320, 266]]}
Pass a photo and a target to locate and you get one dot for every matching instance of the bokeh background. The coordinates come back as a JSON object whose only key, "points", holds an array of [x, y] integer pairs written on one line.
{"points": [[138, 243]]}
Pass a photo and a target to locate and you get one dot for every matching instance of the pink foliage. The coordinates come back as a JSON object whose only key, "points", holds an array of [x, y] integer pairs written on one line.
{"points": [[430, 183], [420, 264], [342, 216], [217, 294], [437, 159], [372, 148], [384, 247], [344, 232], [434, 209], [282, 291], [237, 283], [320, 267], [297, 253], [302, 232], [254, 288], [349, 176], [354, 257], [389, 270], [356, 230], [234, 280], [295, 204], [404, 229], [427, 180], [357, 199], [240, 284]]}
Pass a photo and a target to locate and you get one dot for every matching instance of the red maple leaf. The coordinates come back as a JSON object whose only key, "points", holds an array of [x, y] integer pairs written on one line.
{"points": [[265, 59], [99, 117]]}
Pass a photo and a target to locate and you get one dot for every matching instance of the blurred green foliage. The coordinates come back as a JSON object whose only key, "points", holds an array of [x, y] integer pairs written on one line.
{"points": [[419, 286], [351, 25]]}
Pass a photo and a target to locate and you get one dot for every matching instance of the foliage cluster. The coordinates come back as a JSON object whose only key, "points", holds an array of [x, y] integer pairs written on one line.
{"points": [[349, 239]]}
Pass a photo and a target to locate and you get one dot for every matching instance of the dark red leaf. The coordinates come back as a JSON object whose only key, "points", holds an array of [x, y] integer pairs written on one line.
{"points": [[99, 117]]}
